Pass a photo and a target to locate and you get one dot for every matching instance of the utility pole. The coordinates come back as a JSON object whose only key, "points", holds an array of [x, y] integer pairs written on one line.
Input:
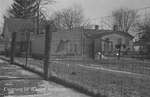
{"points": [[12, 47], [38, 15], [27, 46], [48, 38]]}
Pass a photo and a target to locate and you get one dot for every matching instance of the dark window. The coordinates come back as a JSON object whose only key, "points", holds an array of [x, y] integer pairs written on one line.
{"points": [[107, 39], [119, 41], [124, 46], [117, 46]]}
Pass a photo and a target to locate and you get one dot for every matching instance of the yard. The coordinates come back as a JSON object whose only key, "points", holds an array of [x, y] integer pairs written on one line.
{"points": [[105, 82], [134, 66], [108, 77]]}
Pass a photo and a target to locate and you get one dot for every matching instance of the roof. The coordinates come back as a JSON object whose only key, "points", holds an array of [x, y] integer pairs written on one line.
{"points": [[92, 33], [17, 25], [141, 43]]}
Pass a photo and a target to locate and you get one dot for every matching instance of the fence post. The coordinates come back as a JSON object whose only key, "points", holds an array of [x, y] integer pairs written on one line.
{"points": [[12, 53], [27, 46], [48, 36]]}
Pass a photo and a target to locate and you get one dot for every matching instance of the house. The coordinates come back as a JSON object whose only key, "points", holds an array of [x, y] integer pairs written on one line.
{"points": [[2, 45], [78, 42], [83, 42], [108, 41], [64, 43], [142, 47], [24, 28], [17, 25]]}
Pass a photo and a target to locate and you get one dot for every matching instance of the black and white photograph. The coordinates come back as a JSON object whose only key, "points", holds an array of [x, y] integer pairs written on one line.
{"points": [[74, 48]]}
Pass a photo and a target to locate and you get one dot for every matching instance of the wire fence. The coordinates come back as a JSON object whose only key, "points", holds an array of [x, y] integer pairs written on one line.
{"points": [[74, 61]]}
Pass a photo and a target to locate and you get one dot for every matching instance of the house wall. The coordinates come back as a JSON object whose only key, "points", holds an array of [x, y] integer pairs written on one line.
{"points": [[106, 47], [64, 43], [7, 34], [89, 48], [103, 46], [37, 45], [98, 45], [107, 44], [114, 38], [2, 46]]}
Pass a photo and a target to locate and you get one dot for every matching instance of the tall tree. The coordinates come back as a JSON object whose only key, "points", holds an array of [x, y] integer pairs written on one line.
{"points": [[124, 18], [23, 9], [28, 8], [40, 14], [69, 18]]}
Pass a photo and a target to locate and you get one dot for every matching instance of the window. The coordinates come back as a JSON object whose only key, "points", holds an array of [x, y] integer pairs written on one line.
{"points": [[124, 46], [117, 46], [119, 41], [107, 39], [42, 31]]}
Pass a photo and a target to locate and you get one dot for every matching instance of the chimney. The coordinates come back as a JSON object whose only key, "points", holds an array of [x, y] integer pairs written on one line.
{"points": [[96, 27]]}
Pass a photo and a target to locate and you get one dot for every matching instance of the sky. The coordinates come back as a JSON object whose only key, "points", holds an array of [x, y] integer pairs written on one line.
{"points": [[91, 8], [100, 8]]}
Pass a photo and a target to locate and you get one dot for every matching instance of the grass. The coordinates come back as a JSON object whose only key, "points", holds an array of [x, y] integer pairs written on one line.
{"points": [[134, 66], [108, 83]]}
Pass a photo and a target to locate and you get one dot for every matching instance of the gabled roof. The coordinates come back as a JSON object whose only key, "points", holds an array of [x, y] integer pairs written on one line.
{"points": [[92, 33]]}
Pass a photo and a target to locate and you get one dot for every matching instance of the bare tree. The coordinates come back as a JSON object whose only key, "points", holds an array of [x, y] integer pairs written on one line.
{"points": [[124, 18], [69, 18], [87, 24], [41, 15], [41, 5], [22, 9]]}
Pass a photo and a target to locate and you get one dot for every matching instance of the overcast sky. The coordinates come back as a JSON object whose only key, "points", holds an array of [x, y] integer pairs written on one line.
{"points": [[92, 8], [98, 8]]}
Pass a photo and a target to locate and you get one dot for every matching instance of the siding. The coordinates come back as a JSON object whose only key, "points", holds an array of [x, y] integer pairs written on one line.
{"points": [[63, 43]]}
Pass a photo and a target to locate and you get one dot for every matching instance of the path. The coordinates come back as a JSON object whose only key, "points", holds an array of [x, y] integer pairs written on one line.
{"points": [[16, 82]]}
